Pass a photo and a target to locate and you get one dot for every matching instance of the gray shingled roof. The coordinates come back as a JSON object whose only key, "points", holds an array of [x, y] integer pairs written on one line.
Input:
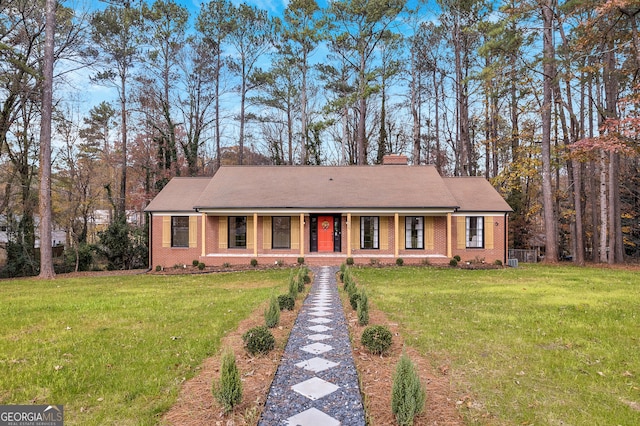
{"points": [[476, 194], [179, 195], [327, 187]]}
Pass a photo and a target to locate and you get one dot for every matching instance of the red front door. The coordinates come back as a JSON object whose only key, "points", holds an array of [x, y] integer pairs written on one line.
{"points": [[325, 233]]}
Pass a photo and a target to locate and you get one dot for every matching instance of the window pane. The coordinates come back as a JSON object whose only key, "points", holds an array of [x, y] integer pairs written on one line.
{"points": [[414, 232], [369, 232], [281, 232], [180, 231], [475, 234], [237, 231]]}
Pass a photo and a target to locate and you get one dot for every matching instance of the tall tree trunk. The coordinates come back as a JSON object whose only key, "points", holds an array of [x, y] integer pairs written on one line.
{"points": [[604, 208], [415, 87], [551, 246], [217, 107], [121, 207], [304, 156], [46, 253], [610, 80]]}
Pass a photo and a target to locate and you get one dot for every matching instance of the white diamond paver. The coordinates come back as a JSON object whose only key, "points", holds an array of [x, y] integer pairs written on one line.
{"points": [[315, 388], [317, 364], [320, 314], [317, 337], [312, 417], [317, 348], [319, 328]]}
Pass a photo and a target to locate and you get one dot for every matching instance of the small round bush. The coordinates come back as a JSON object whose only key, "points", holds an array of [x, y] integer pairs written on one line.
{"points": [[377, 339], [254, 262], [201, 266], [195, 262], [498, 262], [349, 260], [353, 299], [457, 258], [399, 261], [158, 268], [258, 340], [285, 301], [453, 262], [300, 260]]}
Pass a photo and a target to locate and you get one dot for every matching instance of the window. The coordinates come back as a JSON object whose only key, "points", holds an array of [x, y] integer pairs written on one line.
{"points": [[180, 231], [369, 227], [475, 232], [237, 232], [414, 232], [281, 231]]}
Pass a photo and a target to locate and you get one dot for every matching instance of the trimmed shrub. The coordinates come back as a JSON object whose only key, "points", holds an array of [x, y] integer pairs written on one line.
{"points": [[453, 262], [399, 261], [498, 262], [195, 262], [377, 339], [272, 313], [158, 268], [201, 266], [258, 340], [300, 260], [408, 394], [363, 308], [228, 391], [353, 300], [254, 262], [351, 289], [293, 285], [349, 260], [457, 258], [287, 302]]}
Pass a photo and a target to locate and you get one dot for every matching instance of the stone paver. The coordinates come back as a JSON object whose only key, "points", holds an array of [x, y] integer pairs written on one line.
{"points": [[316, 383]]}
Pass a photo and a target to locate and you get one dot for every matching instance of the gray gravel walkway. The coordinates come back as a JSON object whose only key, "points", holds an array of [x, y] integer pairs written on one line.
{"points": [[316, 383]]}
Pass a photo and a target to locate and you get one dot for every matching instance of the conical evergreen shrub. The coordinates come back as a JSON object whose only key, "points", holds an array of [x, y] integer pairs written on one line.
{"points": [[408, 395], [228, 391]]}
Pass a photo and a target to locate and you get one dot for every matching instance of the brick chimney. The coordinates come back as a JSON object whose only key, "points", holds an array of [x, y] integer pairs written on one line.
{"points": [[395, 159]]}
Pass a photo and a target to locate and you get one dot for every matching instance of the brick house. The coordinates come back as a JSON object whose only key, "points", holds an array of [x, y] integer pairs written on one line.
{"points": [[326, 214]]}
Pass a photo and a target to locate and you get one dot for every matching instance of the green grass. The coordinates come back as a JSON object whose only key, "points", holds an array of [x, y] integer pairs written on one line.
{"points": [[114, 350], [533, 345]]}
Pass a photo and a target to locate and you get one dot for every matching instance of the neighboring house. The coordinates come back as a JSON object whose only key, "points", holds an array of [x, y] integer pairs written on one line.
{"points": [[327, 214]]}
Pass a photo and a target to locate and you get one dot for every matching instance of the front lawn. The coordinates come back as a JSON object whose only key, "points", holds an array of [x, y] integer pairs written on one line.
{"points": [[114, 350], [532, 345]]}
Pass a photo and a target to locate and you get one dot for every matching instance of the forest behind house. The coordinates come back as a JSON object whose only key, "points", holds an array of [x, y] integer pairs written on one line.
{"points": [[540, 97]]}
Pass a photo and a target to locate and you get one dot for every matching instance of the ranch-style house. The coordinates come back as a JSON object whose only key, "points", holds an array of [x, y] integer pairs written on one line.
{"points": [[326, 214]]}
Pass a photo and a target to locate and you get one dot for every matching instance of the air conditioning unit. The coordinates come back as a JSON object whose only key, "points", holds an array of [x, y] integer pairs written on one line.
{"points": [[513, 263]]}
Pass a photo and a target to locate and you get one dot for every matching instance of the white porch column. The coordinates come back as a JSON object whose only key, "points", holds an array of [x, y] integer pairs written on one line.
{"points": [[255, 235]]}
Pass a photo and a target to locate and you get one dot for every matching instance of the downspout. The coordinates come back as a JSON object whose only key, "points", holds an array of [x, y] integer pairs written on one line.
{"points": [[506, 238], [150, 219]]}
